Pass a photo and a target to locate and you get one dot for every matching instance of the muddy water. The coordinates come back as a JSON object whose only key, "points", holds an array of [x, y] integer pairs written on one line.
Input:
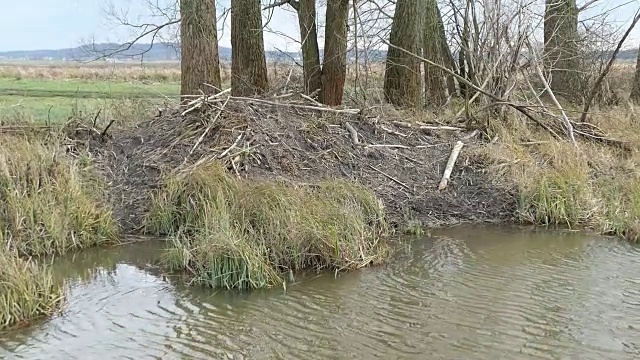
{"points": [[464, 293]]}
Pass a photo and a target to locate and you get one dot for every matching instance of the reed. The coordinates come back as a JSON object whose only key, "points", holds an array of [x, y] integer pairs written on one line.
{"points": [[45, 206], [27, 291]]}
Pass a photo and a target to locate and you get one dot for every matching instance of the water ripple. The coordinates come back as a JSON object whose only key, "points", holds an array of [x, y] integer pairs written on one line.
{"points": [[457, 295]]}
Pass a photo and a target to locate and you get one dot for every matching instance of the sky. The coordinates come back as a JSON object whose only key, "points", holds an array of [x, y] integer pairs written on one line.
{"points": [[54, 24]]}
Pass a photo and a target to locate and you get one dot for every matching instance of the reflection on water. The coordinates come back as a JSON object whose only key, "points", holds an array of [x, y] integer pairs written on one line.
{"points": [[462, 293]]}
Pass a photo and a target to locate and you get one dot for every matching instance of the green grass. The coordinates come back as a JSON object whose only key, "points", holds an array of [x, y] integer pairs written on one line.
{"points": [[27, 291], [45, 206], [248, 234], [55, 100]]}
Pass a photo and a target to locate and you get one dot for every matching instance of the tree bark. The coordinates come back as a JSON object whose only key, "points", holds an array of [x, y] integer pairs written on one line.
{"points": [[635, 88], [334, 69], [561, 50], [248, 63], [402, 72], [310, 50], [433, 43], [199, 62]]}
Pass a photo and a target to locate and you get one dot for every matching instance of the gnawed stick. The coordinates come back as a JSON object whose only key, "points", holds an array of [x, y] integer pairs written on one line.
{"points": [[452, 161]]}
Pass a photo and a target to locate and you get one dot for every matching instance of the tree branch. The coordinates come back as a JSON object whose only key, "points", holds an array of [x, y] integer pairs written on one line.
{"points": [[596, 85]]}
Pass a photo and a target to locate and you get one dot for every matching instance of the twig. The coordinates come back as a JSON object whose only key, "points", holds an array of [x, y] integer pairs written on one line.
{"points": [[565, 119], [235, 143], [389, 146], [594, 88], [449, 168], [262, 101], [317, 103], [353, 132], [206, 131], [104, 132], [392, 178]]}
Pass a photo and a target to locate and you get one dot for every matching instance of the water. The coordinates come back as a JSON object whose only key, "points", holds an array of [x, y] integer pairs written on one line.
{"points": [[463, 293]]}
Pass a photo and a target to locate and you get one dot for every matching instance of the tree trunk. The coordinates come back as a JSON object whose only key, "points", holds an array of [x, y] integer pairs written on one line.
{"points": [[310, 51], [199, 62], [334, 69], [402, 72], [635, 88], [435, 88], [248, 63], [560, 50]]}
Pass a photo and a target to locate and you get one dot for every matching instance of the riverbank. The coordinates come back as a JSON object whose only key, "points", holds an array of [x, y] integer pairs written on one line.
{"points": [[251, 190]]}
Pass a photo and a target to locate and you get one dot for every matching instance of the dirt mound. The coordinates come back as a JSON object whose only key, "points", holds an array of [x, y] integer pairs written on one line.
{"points": [[301, 141]]}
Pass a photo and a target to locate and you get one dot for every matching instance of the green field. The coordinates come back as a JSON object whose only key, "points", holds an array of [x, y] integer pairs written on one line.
{"points": [[55, 100]]}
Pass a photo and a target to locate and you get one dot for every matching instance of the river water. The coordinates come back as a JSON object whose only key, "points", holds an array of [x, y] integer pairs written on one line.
{"points": [[461, 293]]}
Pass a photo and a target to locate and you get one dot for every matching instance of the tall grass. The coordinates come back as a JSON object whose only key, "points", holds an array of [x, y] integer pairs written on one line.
{"points": [[45, 207], [247, 234], [594, 186], [27, 291]]}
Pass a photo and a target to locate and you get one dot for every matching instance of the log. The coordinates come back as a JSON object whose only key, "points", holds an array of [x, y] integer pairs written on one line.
{"points": [[450, 164]]}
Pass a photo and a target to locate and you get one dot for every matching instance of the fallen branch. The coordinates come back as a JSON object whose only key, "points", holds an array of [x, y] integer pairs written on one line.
{"points": [[450, 164]]}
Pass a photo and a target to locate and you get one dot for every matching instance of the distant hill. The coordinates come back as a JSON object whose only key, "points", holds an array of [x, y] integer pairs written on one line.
{"points": [[171, 52], [155, 52]]}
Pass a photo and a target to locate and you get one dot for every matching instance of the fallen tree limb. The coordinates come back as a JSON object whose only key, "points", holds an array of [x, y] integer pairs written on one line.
{"points": [[450, 164]]}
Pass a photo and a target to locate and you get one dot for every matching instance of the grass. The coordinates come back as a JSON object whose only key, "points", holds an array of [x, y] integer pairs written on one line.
{"points": [[27, 291], [248, 234], [54, 99], [593, 186], [45, 206]]}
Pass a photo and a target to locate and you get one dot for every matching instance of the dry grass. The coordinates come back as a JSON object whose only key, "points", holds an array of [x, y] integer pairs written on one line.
{"points": [[594, 186], [249, 234], [165, 72], [27, 291], [45, 206]]}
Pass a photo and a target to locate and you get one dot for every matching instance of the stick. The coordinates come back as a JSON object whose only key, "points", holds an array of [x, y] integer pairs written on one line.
{"points": [[235, 143], [206, 131], [473, 133], [312, 100], [392, 178], [389, 146], [354, 133], [261, 101], [452, 161]]}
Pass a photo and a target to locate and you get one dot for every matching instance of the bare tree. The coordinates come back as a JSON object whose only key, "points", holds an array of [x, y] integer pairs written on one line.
{"points": [[248, 62], [334, 70], [402, 72], [434, 47], [309, 40], [200, 64], [561, 52], [635, 88]]}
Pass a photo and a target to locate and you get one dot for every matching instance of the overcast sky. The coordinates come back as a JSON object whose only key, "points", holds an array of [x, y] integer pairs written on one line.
{"points": [[53, 24]]}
